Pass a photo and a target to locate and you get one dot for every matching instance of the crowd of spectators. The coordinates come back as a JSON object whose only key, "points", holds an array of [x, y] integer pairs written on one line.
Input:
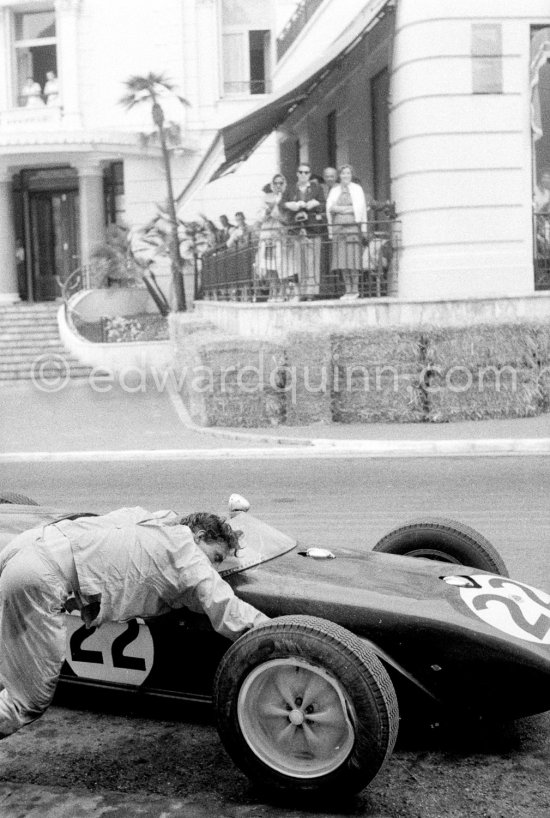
{"points": [[311, 238]]}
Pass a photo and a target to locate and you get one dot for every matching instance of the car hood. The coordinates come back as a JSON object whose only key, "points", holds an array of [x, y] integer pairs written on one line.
{"points": [[379, 595]]}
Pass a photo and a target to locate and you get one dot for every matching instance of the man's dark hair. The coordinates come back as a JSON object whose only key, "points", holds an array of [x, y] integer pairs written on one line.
{"points": [[214, 527]]}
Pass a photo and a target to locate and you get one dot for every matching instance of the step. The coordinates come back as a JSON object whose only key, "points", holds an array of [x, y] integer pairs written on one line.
{"points": [[27, 317], [30, 355], [33, 332], [30, 310], [30, 343], [29, 321], [16, 372]]}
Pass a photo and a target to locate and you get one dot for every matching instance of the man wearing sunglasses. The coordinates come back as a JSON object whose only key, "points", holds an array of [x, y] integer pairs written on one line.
{"points": [[305, 202]]}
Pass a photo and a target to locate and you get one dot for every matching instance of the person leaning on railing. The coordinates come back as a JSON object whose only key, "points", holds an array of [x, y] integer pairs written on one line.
{"points": [[305, 203]]}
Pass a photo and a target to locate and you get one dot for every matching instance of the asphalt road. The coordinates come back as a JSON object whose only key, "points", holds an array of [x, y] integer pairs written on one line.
{"points": [[174, 758], [506, 498]]}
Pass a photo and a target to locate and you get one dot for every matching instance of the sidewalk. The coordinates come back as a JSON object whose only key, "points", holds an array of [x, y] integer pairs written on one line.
{"points": [[116, 424]]}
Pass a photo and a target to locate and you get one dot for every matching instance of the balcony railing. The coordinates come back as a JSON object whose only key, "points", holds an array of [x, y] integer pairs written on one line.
{"points": [[295, 265], [290, 32], [31, 118], [542, 251]]}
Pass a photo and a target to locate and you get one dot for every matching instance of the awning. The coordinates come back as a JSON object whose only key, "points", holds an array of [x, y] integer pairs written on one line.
{"points": [[235, 142]]}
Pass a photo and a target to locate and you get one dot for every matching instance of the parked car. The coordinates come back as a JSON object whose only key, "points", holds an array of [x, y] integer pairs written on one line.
{"points": [[310, 703]]}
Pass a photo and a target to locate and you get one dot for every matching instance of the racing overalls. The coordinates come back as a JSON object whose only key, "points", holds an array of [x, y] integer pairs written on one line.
{"points": [[126, 564]]}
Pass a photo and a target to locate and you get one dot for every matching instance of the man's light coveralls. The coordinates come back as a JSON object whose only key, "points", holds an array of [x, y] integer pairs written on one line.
{"points": [[129, 563]]}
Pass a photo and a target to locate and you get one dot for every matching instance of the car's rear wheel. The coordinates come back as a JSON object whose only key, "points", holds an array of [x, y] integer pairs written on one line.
{"points": [[304, 707], [16, 499], [443, 540]]}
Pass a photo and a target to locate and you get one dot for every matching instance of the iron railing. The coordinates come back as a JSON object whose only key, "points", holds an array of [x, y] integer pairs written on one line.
{"points": [[306, 264], [138, 327], [542, 251], [304, 12], [79, 279]]}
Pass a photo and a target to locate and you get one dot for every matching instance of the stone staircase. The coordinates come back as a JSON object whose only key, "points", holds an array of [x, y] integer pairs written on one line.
{"points": [[30, 346]]}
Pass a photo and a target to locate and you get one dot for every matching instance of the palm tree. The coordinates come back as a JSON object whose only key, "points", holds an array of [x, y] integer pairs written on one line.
{"points": [[150, 89]]}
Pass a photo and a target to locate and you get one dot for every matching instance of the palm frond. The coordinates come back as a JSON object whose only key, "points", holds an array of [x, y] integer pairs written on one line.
{"points": [[148, 87]]}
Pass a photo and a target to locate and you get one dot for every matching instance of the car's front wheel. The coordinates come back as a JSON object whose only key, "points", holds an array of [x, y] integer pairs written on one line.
{"points": [[443, 540], [304, 707]]}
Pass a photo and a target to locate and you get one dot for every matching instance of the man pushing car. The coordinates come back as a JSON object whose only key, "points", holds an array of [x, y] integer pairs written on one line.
{"points": [[118, 566]]}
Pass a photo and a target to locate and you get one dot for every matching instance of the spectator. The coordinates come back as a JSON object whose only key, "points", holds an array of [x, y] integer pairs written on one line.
{"points": [[347, 219], [32, 94], [541, 205], [241, 233], [330, 177], [271, 261], [541, 197], [51, 89], [305, 202], [225, 231]]}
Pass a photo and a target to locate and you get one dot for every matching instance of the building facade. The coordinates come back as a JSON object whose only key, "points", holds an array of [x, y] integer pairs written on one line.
{"points": [[72, 160], [443, 109]]}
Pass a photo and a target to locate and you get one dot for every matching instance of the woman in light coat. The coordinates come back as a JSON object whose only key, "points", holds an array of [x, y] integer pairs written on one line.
{"points": [[347, 224]]}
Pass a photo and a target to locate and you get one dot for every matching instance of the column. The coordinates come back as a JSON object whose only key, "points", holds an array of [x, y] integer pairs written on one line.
{"points": [[8, 266], [67, 14], [92, 208]]}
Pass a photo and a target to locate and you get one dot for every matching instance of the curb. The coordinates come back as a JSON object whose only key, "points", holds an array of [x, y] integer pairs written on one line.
{"points": [[317, 448], [374, 448]]}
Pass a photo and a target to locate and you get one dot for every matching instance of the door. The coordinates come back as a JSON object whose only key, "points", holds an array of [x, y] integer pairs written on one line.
{"points": [[54, 230]]}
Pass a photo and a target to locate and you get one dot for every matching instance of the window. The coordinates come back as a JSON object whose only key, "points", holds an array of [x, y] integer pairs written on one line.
{"points": [[258, 52], [246, 62], [113, 191], [35, 57], [487, 58]]}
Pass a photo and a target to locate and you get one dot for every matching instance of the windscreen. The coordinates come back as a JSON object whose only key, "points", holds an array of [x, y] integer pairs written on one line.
{"points": [[259, 543]]}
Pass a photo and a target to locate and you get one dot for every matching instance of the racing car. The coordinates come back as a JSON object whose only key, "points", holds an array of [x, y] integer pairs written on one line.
{"points": [[310, 703]]}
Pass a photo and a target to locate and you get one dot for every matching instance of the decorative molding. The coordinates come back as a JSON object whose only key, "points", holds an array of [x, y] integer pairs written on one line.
{"points": [[67, 6]]}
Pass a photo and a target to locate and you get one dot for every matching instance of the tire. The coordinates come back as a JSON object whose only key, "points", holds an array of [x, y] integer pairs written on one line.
{"points": [[270, 673], [443, 540], [16, 499]]}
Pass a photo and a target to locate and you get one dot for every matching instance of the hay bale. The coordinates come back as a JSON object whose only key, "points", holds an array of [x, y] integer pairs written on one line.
{"points": [[479, 395], [482, 345], [400, 349], [307, 378], [375, 376], [244, 383], [375, 398], [230, 381]]}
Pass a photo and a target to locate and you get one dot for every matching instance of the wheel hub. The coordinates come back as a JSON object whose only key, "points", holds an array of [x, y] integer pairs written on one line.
{"points": [[296, 717]]}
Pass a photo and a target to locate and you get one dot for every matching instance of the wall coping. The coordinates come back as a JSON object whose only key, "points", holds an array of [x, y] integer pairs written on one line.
{"points": [[275, 320]]}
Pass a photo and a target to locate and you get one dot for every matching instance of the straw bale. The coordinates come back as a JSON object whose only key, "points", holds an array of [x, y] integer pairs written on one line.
{"points": [[400, 349], [541, 334], [508, 394], [389, 399], [482, 345], [231, 381], [307, 378]]}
